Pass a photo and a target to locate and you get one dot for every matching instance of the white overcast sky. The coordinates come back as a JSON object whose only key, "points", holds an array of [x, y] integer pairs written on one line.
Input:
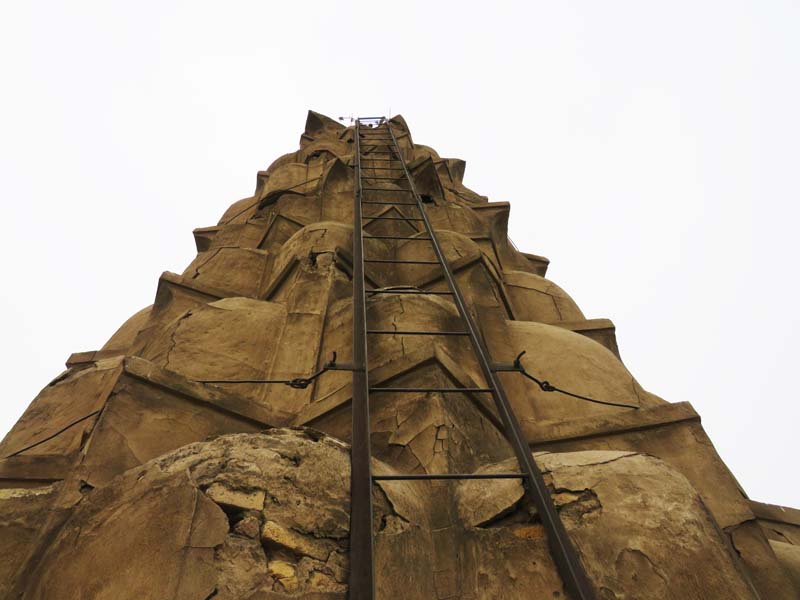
{"points": [[649, 149]]}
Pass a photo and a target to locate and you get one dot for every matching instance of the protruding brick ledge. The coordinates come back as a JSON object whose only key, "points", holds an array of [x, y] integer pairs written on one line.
{"points": [[613, 423]]}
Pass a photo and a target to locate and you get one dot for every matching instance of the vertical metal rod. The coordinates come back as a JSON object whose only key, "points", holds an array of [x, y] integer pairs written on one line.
{"points": [[564, 554], [362, 580]]}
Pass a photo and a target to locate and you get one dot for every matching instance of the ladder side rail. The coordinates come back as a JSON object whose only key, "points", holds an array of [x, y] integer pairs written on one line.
{"points": [[362, 579], [565, 556]]}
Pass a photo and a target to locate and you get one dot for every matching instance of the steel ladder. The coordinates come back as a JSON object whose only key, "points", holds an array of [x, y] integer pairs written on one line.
{"points": [[376, 134]]}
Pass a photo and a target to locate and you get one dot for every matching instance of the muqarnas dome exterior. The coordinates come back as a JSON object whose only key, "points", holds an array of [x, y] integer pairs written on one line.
{"points": [[131, 476]]}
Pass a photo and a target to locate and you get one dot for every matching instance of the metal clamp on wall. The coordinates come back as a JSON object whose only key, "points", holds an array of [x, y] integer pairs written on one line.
{"points": [[298, 383], [546, 386]]}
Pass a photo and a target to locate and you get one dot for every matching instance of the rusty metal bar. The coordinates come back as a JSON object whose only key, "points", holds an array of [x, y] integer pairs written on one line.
{"points": [[56, 434], [362, 580], [401, 262], [444, 390], [420, 292], [391, 218], [396, 237], [564, 554], [412, 332], [426, 476]]}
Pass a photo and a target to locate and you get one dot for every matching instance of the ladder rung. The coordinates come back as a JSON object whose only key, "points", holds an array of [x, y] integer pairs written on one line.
{"points": [[423, 292], [392, 218], [369, 189], [381, 169], [380, 160], [412, 332], [446, 390], [381, 153], [402, 262], [395, 237], [392, 203], [373, 178], [426, 476]]}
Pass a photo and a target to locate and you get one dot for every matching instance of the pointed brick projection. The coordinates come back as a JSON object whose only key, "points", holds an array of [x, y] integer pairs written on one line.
{"points": [[162, 466]]}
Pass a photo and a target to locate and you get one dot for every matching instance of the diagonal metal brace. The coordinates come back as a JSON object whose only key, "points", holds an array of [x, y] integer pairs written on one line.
{"points": [[546, 386]]}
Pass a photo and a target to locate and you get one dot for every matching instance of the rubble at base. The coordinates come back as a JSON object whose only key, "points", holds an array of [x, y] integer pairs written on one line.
{"points": [[266, 515]]}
